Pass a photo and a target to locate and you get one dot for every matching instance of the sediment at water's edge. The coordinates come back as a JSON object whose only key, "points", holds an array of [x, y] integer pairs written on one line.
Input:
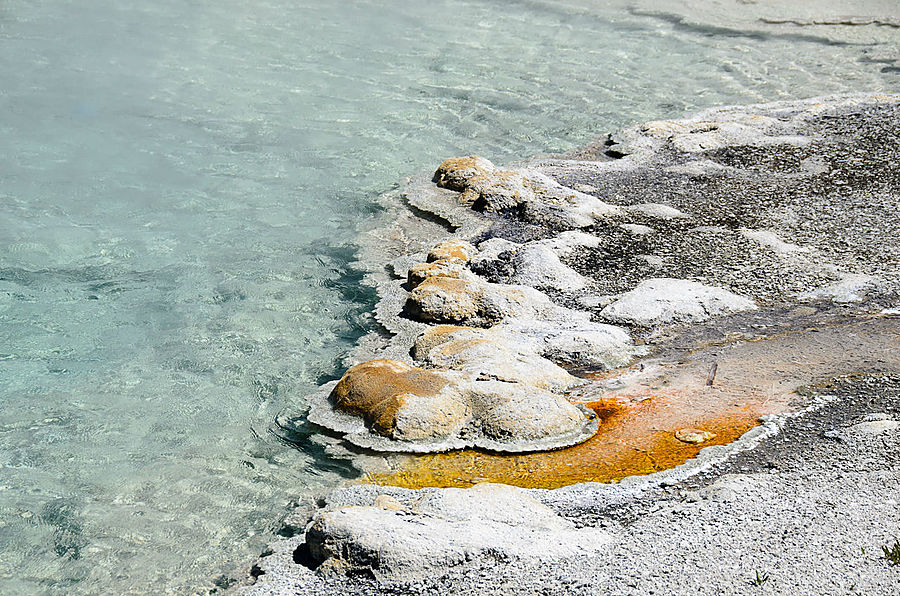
{"points": [[696, 277]]}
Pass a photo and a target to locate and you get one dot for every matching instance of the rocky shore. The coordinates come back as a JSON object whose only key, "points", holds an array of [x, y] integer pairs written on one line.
{"points": [[742, 264]]}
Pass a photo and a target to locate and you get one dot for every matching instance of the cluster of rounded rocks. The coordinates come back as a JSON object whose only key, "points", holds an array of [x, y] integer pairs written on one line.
{"points": [[491, 359]]}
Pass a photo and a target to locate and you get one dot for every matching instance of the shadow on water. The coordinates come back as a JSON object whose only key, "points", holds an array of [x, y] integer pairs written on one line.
{"points": [[349, 284], [67, 538], [298, 433]]}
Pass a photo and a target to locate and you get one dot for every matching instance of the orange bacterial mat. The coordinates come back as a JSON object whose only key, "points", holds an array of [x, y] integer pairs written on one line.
{"points": [[642, 409]]}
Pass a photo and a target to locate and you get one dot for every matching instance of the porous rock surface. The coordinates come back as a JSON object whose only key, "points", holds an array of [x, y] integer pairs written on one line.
{"points": [[446, 528], [779, 207]]}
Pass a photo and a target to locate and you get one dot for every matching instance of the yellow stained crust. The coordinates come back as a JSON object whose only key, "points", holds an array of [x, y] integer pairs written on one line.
{"points": [[445, 299], [454, 172], [632, 441], [451, 250], [423, 271]]}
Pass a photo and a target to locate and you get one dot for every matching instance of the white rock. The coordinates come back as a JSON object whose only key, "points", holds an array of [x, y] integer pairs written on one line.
{"points": [[491, 249], [700, 167], [875, 427], [637, 229], [657, 211], [850, 288], [447, 528], [652, 260], [664, 300], [569, 240], [772, 241], [538, 266]]}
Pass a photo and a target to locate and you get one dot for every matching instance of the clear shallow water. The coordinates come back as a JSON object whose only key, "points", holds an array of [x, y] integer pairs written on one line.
{"points": [[179, 189]]}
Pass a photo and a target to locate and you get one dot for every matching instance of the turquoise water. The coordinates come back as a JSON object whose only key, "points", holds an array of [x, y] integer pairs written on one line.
{"points": [[180, 185]]}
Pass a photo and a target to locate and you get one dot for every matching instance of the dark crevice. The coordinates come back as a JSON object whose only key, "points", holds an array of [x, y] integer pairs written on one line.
{"points": [[302, 556]]}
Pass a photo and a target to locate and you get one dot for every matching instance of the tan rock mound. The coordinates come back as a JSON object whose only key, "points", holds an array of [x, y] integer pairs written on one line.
{"points": [[403, 408], [531, 195], [456, 172], [458, 250], [491, 354], [400, 401]]}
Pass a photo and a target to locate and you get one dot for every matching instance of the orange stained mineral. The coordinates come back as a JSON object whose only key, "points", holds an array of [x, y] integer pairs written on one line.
{"points": [[642, 411], [377, 389]]}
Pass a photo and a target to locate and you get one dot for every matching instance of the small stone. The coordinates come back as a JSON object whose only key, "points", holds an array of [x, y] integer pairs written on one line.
{"points": [[637, 229], [771, 240], [657, 211], [664, 300], [389, 503], [875, 427], [456, 172], [694, 436]]}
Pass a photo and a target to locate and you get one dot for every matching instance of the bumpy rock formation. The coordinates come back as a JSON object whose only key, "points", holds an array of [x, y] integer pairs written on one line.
{"points": [[443, 529], [493, 380], [538, 197], [401, 401], [393, 406], [767, 213]]}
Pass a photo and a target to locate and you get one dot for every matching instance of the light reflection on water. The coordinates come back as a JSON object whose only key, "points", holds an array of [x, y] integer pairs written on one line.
{"points": [[179, 188]]}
